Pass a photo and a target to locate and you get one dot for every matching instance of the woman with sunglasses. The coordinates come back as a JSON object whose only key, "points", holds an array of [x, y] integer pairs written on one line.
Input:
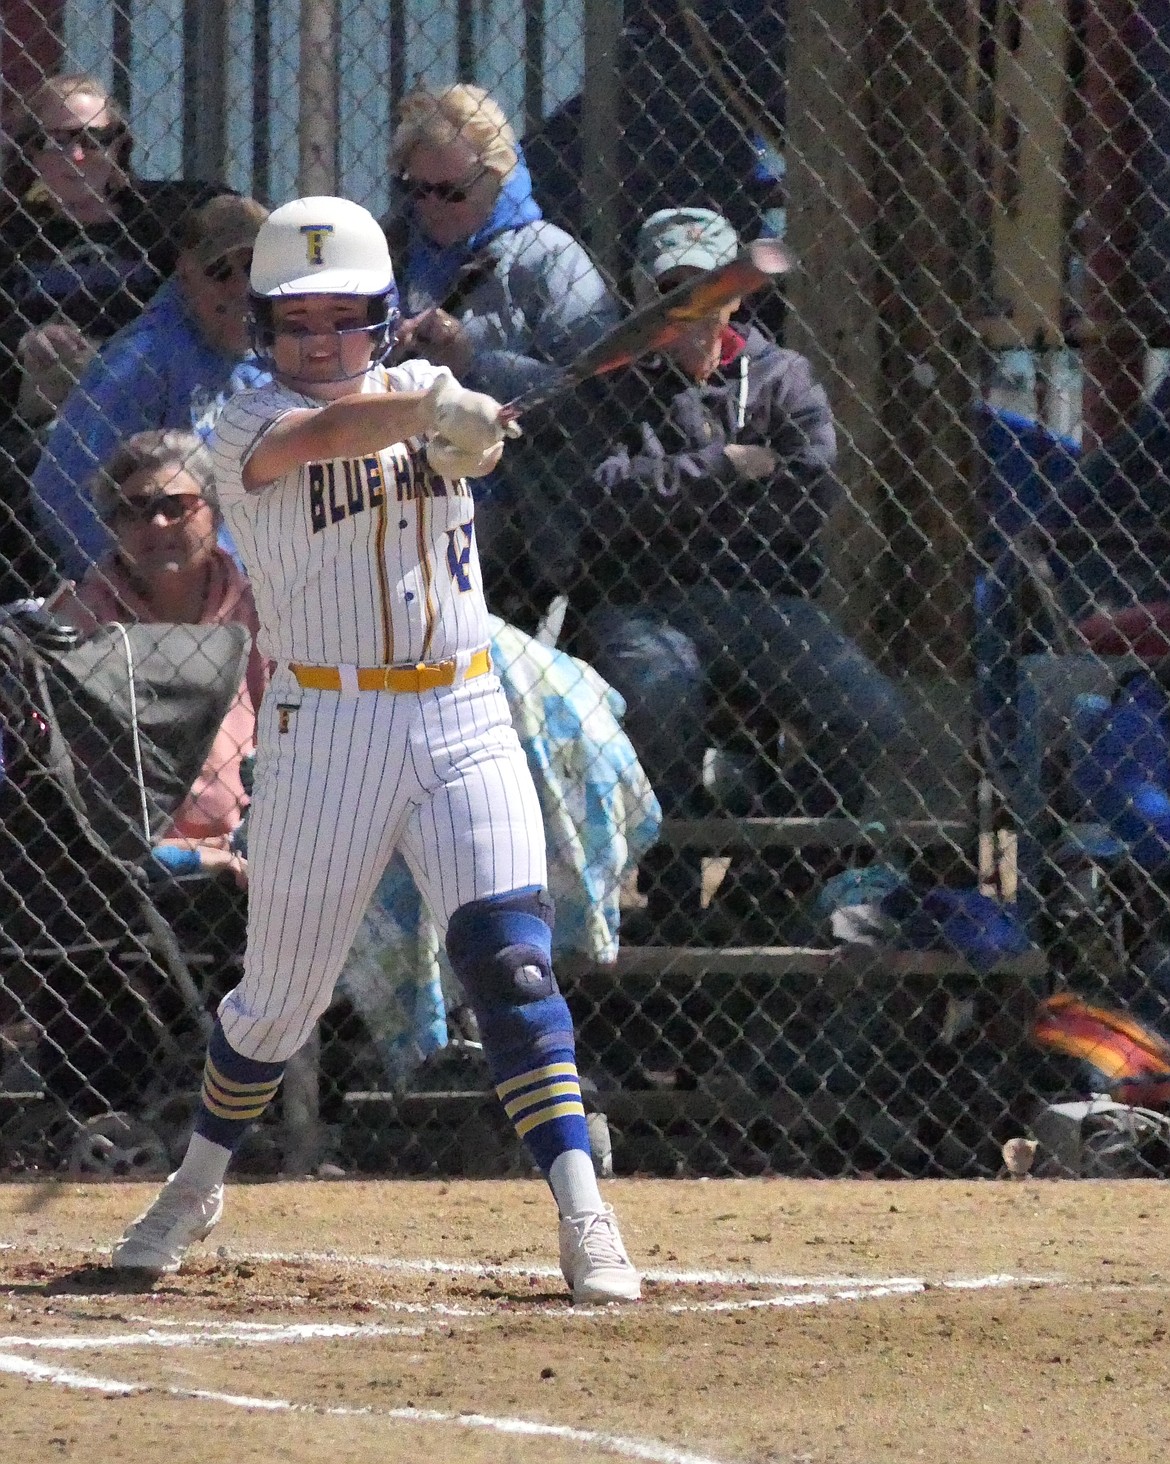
{"points": [[491, 288], [496, 293], [166, 566], [84, 242], [168, 368]]}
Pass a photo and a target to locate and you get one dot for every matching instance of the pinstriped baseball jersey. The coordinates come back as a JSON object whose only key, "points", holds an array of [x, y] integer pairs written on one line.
{"points": [[365, 561]]}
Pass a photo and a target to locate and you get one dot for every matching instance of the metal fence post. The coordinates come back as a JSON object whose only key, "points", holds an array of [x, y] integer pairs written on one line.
{"points": [[319, 115], [600, 131]]}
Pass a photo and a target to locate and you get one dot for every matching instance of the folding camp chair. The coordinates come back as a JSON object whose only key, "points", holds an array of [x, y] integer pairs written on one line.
{"points": [[101, 740]]}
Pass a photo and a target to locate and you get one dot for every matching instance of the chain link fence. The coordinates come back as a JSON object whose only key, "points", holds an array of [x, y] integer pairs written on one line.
{"points": [[836, 636]]}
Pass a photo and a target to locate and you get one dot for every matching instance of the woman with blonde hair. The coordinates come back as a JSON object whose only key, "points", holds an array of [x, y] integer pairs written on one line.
{"points": [[491, 289], [496, 293]]}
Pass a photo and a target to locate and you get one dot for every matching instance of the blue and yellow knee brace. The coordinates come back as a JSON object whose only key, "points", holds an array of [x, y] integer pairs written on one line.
{"points": [[501, 950]]}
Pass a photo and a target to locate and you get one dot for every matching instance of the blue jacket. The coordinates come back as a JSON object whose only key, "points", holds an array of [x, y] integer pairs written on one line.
{"points": [[158, 371], [1124, 772], [538, 303]]}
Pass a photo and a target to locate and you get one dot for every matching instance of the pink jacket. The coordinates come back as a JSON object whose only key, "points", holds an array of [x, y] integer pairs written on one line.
{"points": [[217, 800]]}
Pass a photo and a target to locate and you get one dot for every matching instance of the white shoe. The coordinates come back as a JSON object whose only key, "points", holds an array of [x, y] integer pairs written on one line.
{"points": [[594, 1260], [178, 1217]]}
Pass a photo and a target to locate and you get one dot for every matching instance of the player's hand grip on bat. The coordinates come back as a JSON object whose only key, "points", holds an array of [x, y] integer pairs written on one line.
{"points": [[450, 461], [467, 420]]}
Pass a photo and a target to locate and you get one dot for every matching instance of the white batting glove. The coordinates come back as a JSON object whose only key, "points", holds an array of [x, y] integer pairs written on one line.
{"points": [[469, 420], [450, 461]]}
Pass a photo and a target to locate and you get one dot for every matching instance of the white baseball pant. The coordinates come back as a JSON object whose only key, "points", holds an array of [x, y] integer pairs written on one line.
{"points": [[352, 777]]}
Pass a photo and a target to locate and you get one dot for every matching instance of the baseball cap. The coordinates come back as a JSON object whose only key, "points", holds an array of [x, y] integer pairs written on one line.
{"points": [[676, 237], [226, 223]]}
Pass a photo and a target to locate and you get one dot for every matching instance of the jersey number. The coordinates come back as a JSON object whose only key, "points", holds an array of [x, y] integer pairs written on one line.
{"points": [[459, 555]]}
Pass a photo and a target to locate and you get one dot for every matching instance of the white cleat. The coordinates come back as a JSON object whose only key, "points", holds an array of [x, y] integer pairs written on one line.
{"points": [[179, 1216], [594, 1260]]}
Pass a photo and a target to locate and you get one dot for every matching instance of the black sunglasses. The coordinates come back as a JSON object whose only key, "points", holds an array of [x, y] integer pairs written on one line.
{"points": [[419, 188], [172, 506], [62, 139], [222, 269]]}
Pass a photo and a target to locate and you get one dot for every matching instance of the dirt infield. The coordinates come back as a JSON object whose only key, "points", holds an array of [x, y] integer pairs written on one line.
{"points": [[782, 1321]]}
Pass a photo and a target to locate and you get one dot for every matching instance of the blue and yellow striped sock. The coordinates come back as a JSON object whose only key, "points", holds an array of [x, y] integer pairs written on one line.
{"points": [[236, 1091], [544, 1104]]}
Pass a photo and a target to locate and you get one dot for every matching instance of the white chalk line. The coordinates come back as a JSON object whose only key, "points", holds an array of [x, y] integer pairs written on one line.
{"points": [[629, 1448], [196, 1334], [839, 1288], [485, 1270], [167, 1334]]}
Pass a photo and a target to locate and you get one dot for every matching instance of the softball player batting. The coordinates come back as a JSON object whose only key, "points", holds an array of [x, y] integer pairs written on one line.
{"points": [[383, 728]]}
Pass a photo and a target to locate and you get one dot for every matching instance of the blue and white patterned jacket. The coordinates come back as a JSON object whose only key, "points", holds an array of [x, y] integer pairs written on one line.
{"points": [[600, 817]]}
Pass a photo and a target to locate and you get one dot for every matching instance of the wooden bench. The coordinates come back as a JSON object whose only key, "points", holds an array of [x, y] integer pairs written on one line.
{"points": [[730, 835], [684, 966], [682, 969]]}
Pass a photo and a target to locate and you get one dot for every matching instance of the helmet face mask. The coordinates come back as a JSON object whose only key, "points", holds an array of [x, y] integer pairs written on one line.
{"points": [[382, 318], [323, 246]]}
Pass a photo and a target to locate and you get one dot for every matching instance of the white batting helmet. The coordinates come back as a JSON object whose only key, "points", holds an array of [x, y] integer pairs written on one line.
{"points": [[321, 246]]}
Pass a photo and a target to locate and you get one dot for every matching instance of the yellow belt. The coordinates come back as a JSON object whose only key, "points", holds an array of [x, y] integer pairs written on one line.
{"points": [[422, 677]]}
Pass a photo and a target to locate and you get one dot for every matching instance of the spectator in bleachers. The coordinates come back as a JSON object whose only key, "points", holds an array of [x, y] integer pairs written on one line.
{"points": [[84, 242], [698, 554], [165, 566], [489, 287], [167, 369]]}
